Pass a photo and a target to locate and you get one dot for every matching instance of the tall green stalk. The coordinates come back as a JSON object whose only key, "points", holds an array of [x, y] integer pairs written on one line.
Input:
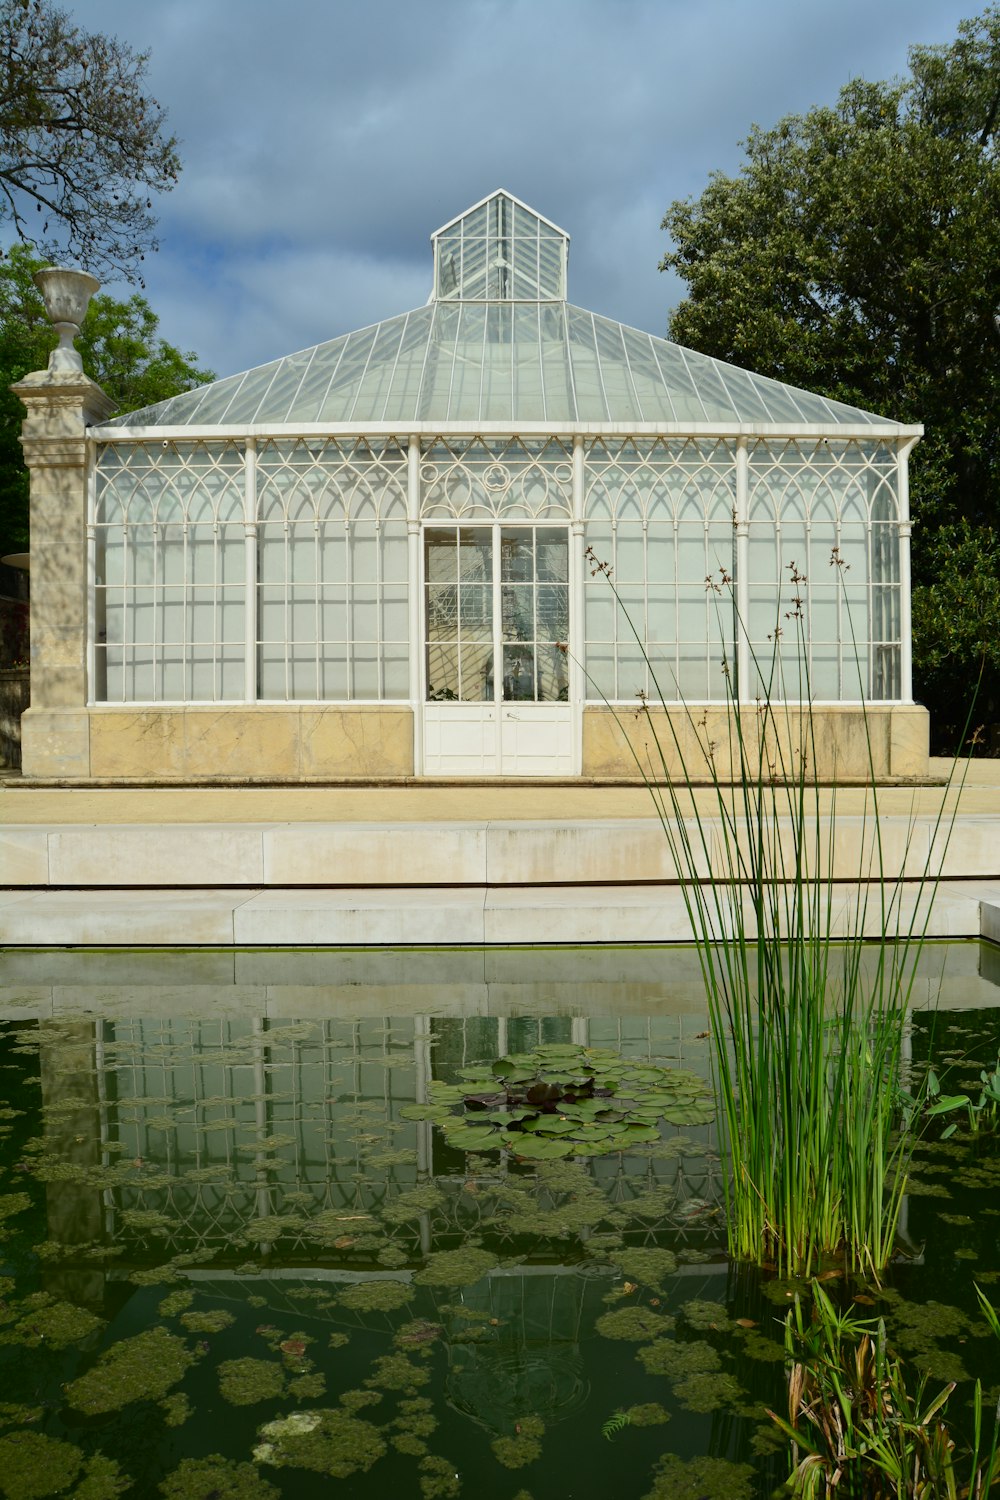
{"points": [[807, 1038]]}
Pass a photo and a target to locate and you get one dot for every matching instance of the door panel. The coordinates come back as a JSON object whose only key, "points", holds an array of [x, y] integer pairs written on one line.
{"points": [[496, 619]]}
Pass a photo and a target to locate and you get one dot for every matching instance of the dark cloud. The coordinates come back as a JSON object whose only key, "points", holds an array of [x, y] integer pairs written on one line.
{"points": [[324, 140]]}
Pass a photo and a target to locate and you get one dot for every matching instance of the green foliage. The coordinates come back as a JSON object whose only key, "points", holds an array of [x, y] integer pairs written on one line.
{"points": [[856, 1423], [807, 1044], [857, 253], [616, 1423], [121, 349]]}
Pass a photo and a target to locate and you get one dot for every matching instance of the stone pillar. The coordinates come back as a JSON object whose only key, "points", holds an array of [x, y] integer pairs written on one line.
{"points": [[62, 402]]}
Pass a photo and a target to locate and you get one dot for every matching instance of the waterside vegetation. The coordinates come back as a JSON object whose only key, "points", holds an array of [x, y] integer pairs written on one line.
{"points": [[807, 1039]]}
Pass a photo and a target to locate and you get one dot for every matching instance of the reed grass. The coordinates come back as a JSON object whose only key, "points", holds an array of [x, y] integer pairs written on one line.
{"points": [[861, 1426], [807, 1018]]}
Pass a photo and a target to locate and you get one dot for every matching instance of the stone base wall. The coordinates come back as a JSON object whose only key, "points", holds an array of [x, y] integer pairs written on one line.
{"points": [[848, 741], [355, 741], [287, 743]]}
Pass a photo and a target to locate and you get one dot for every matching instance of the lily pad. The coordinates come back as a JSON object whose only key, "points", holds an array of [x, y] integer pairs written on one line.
{"points": [[544, 1148]]}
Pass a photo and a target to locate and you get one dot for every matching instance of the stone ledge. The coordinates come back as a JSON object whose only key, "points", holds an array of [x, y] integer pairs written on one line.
{"points": [[387, 918]]}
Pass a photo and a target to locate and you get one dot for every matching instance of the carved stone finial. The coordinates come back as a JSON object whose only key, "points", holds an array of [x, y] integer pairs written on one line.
{"points": [[67, 294]]}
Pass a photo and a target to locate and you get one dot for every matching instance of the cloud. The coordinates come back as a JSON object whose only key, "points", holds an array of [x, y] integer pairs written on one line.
{"points": [[324, 142]]}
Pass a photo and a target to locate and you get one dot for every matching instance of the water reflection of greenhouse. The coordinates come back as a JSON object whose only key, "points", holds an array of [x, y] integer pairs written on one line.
{"points": [[248, 1138]]}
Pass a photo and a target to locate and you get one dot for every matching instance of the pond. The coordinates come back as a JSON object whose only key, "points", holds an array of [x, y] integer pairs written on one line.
{"points": [[270, 1217]]}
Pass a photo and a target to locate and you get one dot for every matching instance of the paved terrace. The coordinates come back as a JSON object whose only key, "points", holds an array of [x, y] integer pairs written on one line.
{"points": [[439, 863]]}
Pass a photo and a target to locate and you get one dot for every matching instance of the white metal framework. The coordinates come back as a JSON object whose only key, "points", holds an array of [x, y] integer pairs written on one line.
{"points": [[280, 570], [414, 513]]}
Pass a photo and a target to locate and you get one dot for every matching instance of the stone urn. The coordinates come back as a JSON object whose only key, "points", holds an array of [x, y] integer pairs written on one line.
{"points": [[67, 294]]}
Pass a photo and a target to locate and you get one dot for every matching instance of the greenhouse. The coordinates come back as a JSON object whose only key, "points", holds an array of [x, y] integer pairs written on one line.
{"points": [[381, 556]]}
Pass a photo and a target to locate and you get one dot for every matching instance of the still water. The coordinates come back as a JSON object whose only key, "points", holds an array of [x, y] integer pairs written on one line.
{"points": [[245, 1247]]}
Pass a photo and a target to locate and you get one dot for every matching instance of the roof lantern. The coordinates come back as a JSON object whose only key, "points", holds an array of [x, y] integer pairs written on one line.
{"points": [[500, 250]]}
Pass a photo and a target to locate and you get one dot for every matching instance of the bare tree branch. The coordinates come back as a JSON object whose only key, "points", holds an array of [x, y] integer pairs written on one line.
{"points": [[81, 140]]}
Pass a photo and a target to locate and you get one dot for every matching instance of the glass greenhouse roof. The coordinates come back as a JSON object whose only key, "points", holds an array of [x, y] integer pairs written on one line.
{"points": [[496, 344]]}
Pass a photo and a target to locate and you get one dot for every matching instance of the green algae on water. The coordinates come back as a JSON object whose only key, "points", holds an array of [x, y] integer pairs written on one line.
{"points": [[143, 1368], [308, 1387], [211, 1320], [408, 1443], [176, 1303], [633, 1323], [648, 1266], [456, 1267], [705, 1315], [521, 1448], [439, 1479], [647, 1414], [356, 1400], [325, 1441], [394, 1372], [216, 1478], [700, 1479], [33, 1465], [708, 1392], [245, 1382], [376, 1296], [176, 1409], [102, 1480], [47, 1321]]}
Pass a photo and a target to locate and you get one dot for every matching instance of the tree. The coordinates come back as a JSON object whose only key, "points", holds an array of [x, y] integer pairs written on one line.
{"points": [[121, 349], [857, 253], [82, 145]]}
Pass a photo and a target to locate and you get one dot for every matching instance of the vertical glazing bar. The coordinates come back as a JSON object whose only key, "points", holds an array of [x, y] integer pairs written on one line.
{"points": [[91, 473], [905, 606], [250, 571], [415, 601], [741, 523], [577, 630]]}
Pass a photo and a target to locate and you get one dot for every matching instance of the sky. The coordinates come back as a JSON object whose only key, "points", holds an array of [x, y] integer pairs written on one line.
{"points": [[323, 141]]}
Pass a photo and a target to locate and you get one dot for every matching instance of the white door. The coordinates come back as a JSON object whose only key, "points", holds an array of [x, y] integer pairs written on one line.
{"points": [[496, 621]]}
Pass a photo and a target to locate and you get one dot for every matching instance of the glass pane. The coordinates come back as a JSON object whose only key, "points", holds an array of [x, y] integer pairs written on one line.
{"points": [[442, 612], [477, 673], [396, 673], [518, 673], [553, 612], [518, 612], [441, 556], [442, 673], [553, 674], [475, 563], [516, 554], [333, 673], [553, 556], [476, 612]]}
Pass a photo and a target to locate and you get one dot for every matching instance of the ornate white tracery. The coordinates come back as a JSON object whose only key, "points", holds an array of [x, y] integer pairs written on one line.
{"points": [[332, 570], [286, 568], [829, 510], [659, 512], [466, 479], [169, 586]]}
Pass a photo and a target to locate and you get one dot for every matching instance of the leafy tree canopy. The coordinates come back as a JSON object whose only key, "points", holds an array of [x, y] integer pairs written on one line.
{"points": [[121, 349], [857, 253], [82, 144]]}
